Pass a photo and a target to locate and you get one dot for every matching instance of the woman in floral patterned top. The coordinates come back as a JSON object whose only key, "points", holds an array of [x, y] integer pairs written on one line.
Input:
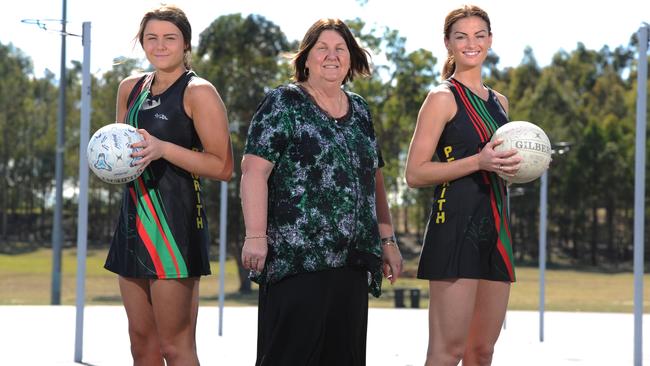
{"points": [[318, 231]]}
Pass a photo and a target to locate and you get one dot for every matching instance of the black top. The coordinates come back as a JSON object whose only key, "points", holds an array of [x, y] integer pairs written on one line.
{"points": [[468, 234], [162, 231]]}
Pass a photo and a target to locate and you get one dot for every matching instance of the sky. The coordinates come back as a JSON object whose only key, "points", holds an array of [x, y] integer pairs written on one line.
{"points": [[547, 26]]}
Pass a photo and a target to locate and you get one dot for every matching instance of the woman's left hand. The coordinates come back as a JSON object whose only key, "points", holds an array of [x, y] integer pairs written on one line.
{"points": [[151, 149], [393, 262]]}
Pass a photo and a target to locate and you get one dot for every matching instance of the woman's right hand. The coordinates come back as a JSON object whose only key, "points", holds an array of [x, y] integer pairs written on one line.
{"points": [[503, 162], [253, 254], [150, 147]]}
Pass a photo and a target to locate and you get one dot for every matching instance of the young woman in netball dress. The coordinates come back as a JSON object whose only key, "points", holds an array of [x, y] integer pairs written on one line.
{"points": [[160, 246], [467, 252]]}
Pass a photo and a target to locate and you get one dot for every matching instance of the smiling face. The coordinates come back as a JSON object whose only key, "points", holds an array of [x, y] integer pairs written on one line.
{"points": [[469, 41], [164, 45], [329, 59]]}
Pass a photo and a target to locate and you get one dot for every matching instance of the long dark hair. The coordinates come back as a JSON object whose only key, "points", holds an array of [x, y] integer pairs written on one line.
{"points": [[358, 56], [176, 16], [464, 11]]}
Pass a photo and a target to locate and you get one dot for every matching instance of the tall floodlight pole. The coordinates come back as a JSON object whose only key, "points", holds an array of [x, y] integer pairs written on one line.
{"points": [[82, 208], [639, 190], [57, 222]]}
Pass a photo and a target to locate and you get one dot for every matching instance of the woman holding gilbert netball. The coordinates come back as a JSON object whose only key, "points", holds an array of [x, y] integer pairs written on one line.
{"points": [[467, 253]]}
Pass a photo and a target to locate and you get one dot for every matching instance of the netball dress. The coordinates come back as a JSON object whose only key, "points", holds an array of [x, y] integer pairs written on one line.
{"points": [[468, 234], [162, 230]]}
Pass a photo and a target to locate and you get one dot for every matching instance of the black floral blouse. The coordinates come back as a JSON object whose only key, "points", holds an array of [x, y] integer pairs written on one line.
{"points": [[321, 191]]}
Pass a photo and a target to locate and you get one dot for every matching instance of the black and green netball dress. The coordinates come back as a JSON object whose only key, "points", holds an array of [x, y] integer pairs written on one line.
{"points": [[162, 231], [468, 234]]}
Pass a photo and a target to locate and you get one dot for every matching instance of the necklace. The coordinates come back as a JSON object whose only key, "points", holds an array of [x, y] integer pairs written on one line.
{"points": [[336, 109]]}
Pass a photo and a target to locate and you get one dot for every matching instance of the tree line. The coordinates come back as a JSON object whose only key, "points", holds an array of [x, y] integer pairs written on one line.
{"points": [[584, 97]]}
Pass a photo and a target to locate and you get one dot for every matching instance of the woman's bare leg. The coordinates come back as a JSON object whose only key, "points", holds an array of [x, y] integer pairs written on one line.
{"points": [[451, 307], [490, 311], [145, 345], [175, 308]]}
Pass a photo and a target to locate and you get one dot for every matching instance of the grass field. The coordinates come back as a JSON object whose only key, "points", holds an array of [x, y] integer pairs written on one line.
{"points": [[25, 279]]}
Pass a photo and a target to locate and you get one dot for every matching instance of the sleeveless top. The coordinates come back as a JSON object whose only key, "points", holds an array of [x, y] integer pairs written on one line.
{"points": [[468, 234], [162, 231]]}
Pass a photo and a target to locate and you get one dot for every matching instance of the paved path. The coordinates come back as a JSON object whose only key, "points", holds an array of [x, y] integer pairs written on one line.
{"points": [[44, 336]]}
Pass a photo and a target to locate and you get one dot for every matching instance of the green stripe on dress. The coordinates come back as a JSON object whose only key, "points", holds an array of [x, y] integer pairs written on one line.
{"points": [[156, 199], [496, 183], [156, 233], [151, 227]]}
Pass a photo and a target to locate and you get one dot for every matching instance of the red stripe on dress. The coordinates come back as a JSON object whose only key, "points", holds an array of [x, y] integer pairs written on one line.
{"points": [[500, 246], [471, 112], [481, 129], [157, 263], [145, 195], [506, 227], [135, 100], [486, 177]]}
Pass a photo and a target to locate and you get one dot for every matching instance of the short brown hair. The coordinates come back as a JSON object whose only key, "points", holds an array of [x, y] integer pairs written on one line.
{"points": [[358, 56], [176, 16]]}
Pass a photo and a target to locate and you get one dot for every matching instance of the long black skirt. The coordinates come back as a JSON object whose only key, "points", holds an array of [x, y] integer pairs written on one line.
{"points": [[314, 319]]}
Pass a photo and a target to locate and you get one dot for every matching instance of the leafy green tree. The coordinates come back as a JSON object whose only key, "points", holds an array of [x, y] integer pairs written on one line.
{"points": [[394, 93], [242, 57], [42, 140], [14, 91]]}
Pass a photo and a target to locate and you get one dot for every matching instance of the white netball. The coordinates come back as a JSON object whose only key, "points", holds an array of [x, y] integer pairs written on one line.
{"points": [[532, 145], [109, 153]]}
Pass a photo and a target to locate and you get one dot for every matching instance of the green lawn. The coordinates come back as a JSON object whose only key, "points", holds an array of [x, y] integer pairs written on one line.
{"points": [[26, 279]]}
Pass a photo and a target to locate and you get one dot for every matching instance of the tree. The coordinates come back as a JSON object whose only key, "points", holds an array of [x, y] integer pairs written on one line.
{"points": [[394, 93], [242, 58], [14, 92]]}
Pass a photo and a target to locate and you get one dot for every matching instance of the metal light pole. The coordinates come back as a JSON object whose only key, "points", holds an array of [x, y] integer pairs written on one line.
{"points": [[639, 190], [223, 228], [559, 148], [57, 222], [82, 208], [543, 192], [223, 220]]}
